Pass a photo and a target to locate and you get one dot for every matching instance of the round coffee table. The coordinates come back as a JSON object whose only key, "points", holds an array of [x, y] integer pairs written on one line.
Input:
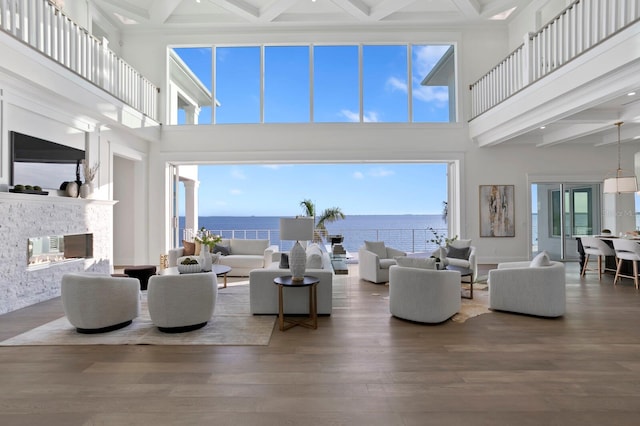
{"points": [[307, 281], [219, 270]]}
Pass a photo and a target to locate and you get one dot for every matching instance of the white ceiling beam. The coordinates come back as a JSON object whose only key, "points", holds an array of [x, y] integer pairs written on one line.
{"points": [[356, 8], [275, 9], [128, 9], [239, 8], [162, 9], [469, 8], [567, 133], [387, 7], [628, 133]]}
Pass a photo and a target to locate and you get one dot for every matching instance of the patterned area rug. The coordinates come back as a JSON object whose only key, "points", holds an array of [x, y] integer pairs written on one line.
{"points": [[231, 324]]}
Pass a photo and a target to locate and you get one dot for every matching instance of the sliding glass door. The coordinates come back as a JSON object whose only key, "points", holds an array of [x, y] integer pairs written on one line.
{"points": [[560, 213]]}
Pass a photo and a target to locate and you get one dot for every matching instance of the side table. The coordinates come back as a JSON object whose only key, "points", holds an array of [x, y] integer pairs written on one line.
{"points": [[308, 281]]}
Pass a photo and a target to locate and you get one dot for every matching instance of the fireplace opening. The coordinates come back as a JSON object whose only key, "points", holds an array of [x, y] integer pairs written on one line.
{"points": [[59, 248]]}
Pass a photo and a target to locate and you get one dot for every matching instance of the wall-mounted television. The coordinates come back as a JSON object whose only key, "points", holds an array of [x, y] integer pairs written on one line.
{"points": [[36, 161]]}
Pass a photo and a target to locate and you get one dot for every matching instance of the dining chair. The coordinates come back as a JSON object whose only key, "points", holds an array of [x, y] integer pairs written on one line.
{"points": [[627, 250], [596, 247]]}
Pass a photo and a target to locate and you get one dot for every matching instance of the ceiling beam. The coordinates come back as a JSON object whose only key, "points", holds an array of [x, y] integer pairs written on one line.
{"points": [[240, 8], [275, 9], [356, 8], [387, 7], [469, 8], [567, 133], [162, 9], [128, 9]]}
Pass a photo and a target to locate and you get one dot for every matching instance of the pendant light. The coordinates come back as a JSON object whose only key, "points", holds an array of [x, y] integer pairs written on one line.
{"points": [[621, 181]]}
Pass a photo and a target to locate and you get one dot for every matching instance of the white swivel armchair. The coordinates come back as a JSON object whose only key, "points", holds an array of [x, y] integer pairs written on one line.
{"points": [[522, 288], [374, 260], [423, 295], [469, 261]]}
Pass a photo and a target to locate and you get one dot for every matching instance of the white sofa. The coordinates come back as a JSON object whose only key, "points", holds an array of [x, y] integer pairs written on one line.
{"points": [[423, 295], [263, 293], [179, 303], [522, 288], [245, 255], [97, 303]]}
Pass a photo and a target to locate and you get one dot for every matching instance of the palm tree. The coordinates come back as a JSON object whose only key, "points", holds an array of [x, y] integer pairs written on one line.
{"points": [[328, 215]]}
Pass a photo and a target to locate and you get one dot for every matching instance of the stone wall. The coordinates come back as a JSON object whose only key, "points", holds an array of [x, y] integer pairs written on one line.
{"points": [[26, 216]]}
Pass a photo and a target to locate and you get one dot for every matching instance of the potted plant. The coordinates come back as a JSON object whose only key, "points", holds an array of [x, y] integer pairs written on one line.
{"points": [[439, 239], [90, 172]]}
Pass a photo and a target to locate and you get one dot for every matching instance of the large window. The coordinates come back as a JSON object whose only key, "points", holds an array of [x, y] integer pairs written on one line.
{"points": [[238, 85], [336, 84], [392, 83], [286, 84]]}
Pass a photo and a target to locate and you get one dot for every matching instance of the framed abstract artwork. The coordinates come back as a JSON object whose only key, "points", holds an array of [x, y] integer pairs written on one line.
{"points": [[497, 210]]}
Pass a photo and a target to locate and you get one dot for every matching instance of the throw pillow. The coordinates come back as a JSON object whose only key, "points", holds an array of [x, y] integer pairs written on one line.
{"points": [[284, 261], [223, 250], [460, 243], [458, 253], [189, 248], [314, 257], [541, 259], [198, 246], [376, 247], [416, 262]]}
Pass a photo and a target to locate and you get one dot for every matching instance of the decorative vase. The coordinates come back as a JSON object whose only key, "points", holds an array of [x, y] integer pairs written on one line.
{"points": [[72, 189], [297, 262], [86, 189], [205, 258]]}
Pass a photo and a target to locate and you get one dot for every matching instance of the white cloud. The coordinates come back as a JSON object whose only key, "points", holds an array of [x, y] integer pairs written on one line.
{"points": [[436, 94], [369, 116], [235, 192], [380, 172], [358, 175], [395, 83], [425, 58], [238, 174]]}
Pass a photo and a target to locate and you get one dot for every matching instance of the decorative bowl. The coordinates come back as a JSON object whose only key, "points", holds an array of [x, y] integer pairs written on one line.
{"points": [[189, 269]]}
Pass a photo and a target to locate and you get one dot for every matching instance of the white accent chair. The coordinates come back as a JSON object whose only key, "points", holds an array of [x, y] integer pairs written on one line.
{"points": [[179, 303], [470, 263], [374, 261], [626, 250], [596, 247], [98, 303], [423, 295], [533, 290]]}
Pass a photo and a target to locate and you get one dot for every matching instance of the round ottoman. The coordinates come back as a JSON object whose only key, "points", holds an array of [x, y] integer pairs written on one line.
{"points": [[142, 273]]}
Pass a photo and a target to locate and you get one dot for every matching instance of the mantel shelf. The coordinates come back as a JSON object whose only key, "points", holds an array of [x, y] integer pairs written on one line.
{"points": [[33, 198]]}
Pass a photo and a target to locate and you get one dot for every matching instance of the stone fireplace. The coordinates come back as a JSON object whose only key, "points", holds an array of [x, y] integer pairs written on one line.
{"points": [[44, 251], [85, 227]]}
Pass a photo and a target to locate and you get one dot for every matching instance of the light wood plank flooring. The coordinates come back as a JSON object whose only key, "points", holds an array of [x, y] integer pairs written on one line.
{"points": [[361, 367]]}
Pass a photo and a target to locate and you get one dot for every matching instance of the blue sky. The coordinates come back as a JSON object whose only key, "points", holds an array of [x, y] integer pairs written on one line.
{"points": [[356, 188], [276, 190]]}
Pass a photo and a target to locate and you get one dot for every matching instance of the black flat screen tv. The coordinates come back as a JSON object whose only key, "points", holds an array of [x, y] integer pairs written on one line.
{"points": [[36, 161]]}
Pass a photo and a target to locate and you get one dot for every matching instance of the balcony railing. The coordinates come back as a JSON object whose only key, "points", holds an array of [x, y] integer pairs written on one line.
{"points": [[409, 240], [581, 26], [42, 26]]}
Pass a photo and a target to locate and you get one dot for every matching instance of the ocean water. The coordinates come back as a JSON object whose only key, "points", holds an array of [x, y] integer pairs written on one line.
{"points": [[404, 232]]}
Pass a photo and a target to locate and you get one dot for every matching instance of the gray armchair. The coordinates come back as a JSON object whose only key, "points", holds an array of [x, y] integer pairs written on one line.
{"points": [[374, 260]]}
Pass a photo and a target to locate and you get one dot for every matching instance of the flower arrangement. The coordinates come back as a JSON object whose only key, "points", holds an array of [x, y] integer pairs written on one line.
{"points": [[205, 237], [90, 172], [440, 238]]}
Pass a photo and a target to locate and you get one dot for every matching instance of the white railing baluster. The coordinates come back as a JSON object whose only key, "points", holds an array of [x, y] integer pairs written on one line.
{"points": [[580, 26]]}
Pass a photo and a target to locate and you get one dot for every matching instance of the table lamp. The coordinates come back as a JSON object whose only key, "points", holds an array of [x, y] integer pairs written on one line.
{"points": [[297, 229]]}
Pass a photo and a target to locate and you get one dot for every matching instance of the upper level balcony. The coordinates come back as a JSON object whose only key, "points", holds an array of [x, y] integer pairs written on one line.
{"points": [[572, 76], [42, 26]]}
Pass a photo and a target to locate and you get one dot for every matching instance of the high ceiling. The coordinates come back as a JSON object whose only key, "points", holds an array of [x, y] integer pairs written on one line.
{"points": [[175, 13], [592, 124]]}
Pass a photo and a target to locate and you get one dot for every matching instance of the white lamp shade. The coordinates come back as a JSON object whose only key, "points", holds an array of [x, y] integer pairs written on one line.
{"points": [[297, 228], [620, 184]]}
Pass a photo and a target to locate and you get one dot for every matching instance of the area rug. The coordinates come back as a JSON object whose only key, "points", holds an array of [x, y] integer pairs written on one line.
{"points": [[471, 308], [232, 324]]}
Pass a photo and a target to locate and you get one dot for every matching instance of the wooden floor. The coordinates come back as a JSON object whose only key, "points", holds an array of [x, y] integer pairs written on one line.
{"points": [[361, 367]]}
